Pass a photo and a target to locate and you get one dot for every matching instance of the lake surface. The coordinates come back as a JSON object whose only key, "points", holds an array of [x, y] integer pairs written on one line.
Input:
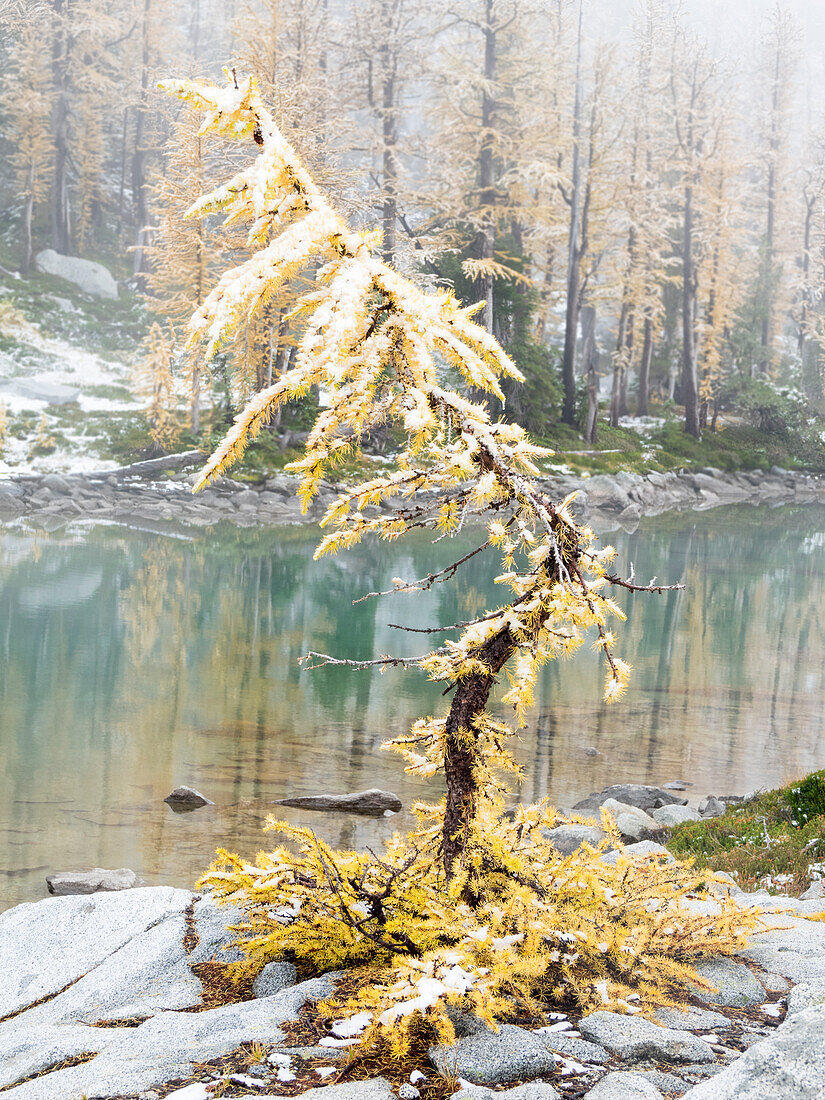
{"points": [[132, 661]]}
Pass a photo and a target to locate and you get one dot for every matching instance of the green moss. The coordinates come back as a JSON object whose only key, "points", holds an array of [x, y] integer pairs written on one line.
{"points": [[775, 833]]}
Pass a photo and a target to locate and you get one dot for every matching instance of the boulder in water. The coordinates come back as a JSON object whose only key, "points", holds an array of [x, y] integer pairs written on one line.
{"points": [[186, 798], [361, 802], [62, 883]]}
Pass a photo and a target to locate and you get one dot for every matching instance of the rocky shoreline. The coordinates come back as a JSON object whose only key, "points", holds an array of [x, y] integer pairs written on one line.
{"points": [[608, 501], [108, 996]]}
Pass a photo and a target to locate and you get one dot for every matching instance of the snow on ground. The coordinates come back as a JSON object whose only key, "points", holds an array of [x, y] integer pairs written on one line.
{"points": [[77, 368], [642, 424]]}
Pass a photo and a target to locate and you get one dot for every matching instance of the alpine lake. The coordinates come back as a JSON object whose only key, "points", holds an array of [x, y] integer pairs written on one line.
{"points": [[132, 661]]}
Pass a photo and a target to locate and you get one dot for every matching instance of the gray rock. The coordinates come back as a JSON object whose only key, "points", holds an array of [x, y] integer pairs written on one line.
{"points": [[604, 492], [807, 995], [494, 1057], [213, 926], [408, 1092], [623, 1086], [376, 1089], [530, 1090], [634, 1039], [48, 945], [40, 389], [632, 794], [788, 1065], [274, 977], [571, 1047], [711, 807], [567, 838], [11, 490], [773, 983], [667, 1083], [668, 816], [634, 824], [373, 801], [167, 1046], [693, 1019], [90, 882], [676, 785], [92, 278], [149, 974], [641, 850], [737, 987], [56, 483], [186, 798], [814, 892]]}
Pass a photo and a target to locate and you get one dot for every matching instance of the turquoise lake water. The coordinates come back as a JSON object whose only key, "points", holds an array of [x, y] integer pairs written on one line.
{"points": [[132, 661]]}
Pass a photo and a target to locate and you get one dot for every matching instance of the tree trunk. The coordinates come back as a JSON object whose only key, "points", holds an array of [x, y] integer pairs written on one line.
{"points": [[462, 755], [27, 252], [690, 386], [770, 223], [140, 196], [486, 238], [61, 217], [571, 320], [590, 362], [644, 368], [618, 366], [389, 136]]}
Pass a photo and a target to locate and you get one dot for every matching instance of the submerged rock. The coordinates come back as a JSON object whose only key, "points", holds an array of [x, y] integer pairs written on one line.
{"points": [[373, 801], [186, 798], [90, 882]]}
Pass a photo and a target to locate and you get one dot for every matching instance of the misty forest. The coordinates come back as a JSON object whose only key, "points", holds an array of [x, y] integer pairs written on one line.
{"points": [[412, 511]]}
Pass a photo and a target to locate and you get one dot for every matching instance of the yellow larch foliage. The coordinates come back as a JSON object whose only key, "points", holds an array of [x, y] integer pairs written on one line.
{"points": [[155, 384], [549, 929], [183, 253]]}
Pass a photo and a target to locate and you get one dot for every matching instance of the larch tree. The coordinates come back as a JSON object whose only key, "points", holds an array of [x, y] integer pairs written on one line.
{"points": [[777, 70], [153, 39], [694, 79], [155, 384], [286, 45], [474, 908], [387, 38], [27, 108], [83, 33], [477, 93], [810, 282], [723, 267], [183, 253], [644, 201]]}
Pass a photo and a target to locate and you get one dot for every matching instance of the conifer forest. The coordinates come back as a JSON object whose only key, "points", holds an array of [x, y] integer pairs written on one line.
{"points": [[412, 534]]}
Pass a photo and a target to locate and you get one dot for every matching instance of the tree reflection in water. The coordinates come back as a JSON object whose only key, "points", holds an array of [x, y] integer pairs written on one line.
{"points": [[132, 662]]}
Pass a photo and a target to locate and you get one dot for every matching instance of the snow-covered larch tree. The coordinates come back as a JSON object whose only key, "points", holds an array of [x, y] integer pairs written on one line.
{"points": [[475, 905]]}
